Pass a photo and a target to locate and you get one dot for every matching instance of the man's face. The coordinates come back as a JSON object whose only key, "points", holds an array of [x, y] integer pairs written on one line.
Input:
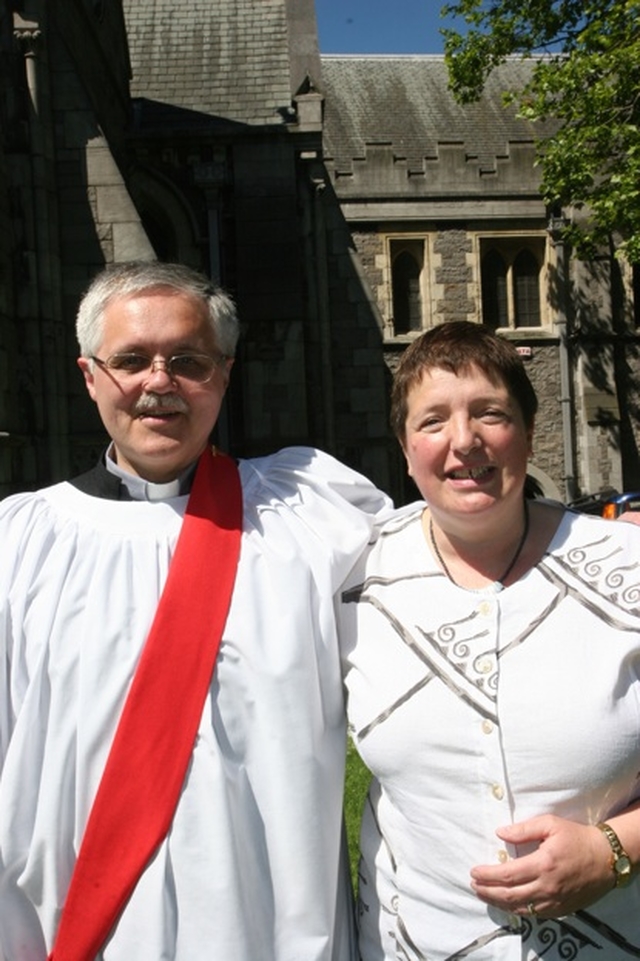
{"points": [[159, 425]]}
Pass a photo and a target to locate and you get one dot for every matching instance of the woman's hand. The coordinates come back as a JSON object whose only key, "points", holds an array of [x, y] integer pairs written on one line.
{"points": [[570, 869]]}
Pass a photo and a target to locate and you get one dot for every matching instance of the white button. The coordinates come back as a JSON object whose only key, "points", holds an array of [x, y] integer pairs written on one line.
{"points": [[503, 856], [484, 608], [487, 727], [485, 665], [498, 792]]}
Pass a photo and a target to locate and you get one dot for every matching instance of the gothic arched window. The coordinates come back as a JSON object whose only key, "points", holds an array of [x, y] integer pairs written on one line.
{"points": [[510, 275], [495, 310], [407, 300], [526, 290]]}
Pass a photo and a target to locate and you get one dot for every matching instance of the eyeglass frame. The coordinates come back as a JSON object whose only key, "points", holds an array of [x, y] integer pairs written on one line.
{"points": [[166, 362]]}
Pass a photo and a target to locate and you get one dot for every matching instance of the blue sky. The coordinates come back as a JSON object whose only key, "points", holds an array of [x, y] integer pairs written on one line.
{"points": [[380, 26]]}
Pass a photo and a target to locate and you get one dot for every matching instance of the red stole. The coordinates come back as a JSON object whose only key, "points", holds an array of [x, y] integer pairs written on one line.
{"points": [[148, 761]]}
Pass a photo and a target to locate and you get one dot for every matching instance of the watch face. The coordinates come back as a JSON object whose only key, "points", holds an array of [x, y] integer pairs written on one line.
{"points": [[622, 867]]}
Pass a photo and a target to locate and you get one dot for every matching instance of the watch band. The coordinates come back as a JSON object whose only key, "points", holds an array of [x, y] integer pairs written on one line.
{"points": [[620, 860]]}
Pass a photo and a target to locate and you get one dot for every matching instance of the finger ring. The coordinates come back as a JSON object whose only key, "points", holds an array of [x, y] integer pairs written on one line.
{"points": [[531, 909]]}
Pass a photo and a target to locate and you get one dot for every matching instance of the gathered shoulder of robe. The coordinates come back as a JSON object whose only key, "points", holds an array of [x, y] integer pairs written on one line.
{"points": [[252, 868]]}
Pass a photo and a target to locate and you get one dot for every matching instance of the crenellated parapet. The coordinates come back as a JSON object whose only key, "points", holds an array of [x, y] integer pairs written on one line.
{"points": [[451, 168]]}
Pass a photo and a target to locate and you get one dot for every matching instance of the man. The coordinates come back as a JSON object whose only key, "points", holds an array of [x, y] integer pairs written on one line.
{"points": [[250, 868]]}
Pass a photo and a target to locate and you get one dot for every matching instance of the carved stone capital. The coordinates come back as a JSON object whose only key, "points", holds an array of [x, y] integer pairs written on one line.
{"points": [[26, 33]]}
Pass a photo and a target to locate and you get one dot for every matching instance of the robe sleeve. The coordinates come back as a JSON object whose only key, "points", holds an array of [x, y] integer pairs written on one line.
{"points": [[338, 506], [24, 530]]}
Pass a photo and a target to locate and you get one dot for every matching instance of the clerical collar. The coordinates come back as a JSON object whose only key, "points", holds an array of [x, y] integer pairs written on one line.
{"points": [[143, 490]]}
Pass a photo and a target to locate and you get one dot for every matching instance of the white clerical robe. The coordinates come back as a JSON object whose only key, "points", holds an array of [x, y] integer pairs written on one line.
{"points": [[252, 868]]}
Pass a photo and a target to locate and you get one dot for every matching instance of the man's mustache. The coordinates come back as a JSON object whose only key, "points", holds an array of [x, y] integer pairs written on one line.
{"points": [[163, 403]]}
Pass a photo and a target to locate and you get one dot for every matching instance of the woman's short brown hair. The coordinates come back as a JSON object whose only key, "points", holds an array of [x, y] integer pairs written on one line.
{"points": [[456, 346]]}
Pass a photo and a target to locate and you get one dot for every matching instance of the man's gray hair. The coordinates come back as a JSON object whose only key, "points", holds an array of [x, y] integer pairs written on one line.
{"points": [[136, 277]]}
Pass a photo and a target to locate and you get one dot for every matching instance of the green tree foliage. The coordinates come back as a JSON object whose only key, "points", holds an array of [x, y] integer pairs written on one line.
{"points": [[586, 77]]}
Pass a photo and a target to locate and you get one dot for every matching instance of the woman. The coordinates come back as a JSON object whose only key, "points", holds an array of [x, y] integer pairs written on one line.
{"points": [[491, 649]]}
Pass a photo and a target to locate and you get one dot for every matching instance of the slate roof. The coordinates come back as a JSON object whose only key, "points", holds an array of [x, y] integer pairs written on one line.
{"points": [[228, 58], [404, 101]]}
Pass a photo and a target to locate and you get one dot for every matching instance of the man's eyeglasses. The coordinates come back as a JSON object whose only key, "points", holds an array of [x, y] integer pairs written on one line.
{"points": [[198, 368]]}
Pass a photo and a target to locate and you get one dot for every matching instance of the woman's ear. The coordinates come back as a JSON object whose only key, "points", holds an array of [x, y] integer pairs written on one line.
{"points": [[403, 445], [530, 431]]}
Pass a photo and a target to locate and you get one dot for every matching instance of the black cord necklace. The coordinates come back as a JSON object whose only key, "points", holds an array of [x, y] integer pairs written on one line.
{"points": [[512, 562]]}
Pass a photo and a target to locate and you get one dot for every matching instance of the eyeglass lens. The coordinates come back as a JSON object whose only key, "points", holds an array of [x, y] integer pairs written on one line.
{"points": [[197, 367]]}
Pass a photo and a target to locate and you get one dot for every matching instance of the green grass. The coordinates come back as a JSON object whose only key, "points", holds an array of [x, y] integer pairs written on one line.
{"points": [[355, 790]]}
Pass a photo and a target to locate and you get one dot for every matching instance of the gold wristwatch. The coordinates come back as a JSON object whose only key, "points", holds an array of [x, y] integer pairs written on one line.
{"points": [[620, 861]]}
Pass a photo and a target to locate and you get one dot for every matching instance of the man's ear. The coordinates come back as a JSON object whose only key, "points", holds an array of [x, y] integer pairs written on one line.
{"points": [[86, 366], [228, 364]]}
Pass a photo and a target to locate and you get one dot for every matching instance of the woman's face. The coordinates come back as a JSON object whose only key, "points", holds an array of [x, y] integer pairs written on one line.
{"points": [[466, 444]]}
